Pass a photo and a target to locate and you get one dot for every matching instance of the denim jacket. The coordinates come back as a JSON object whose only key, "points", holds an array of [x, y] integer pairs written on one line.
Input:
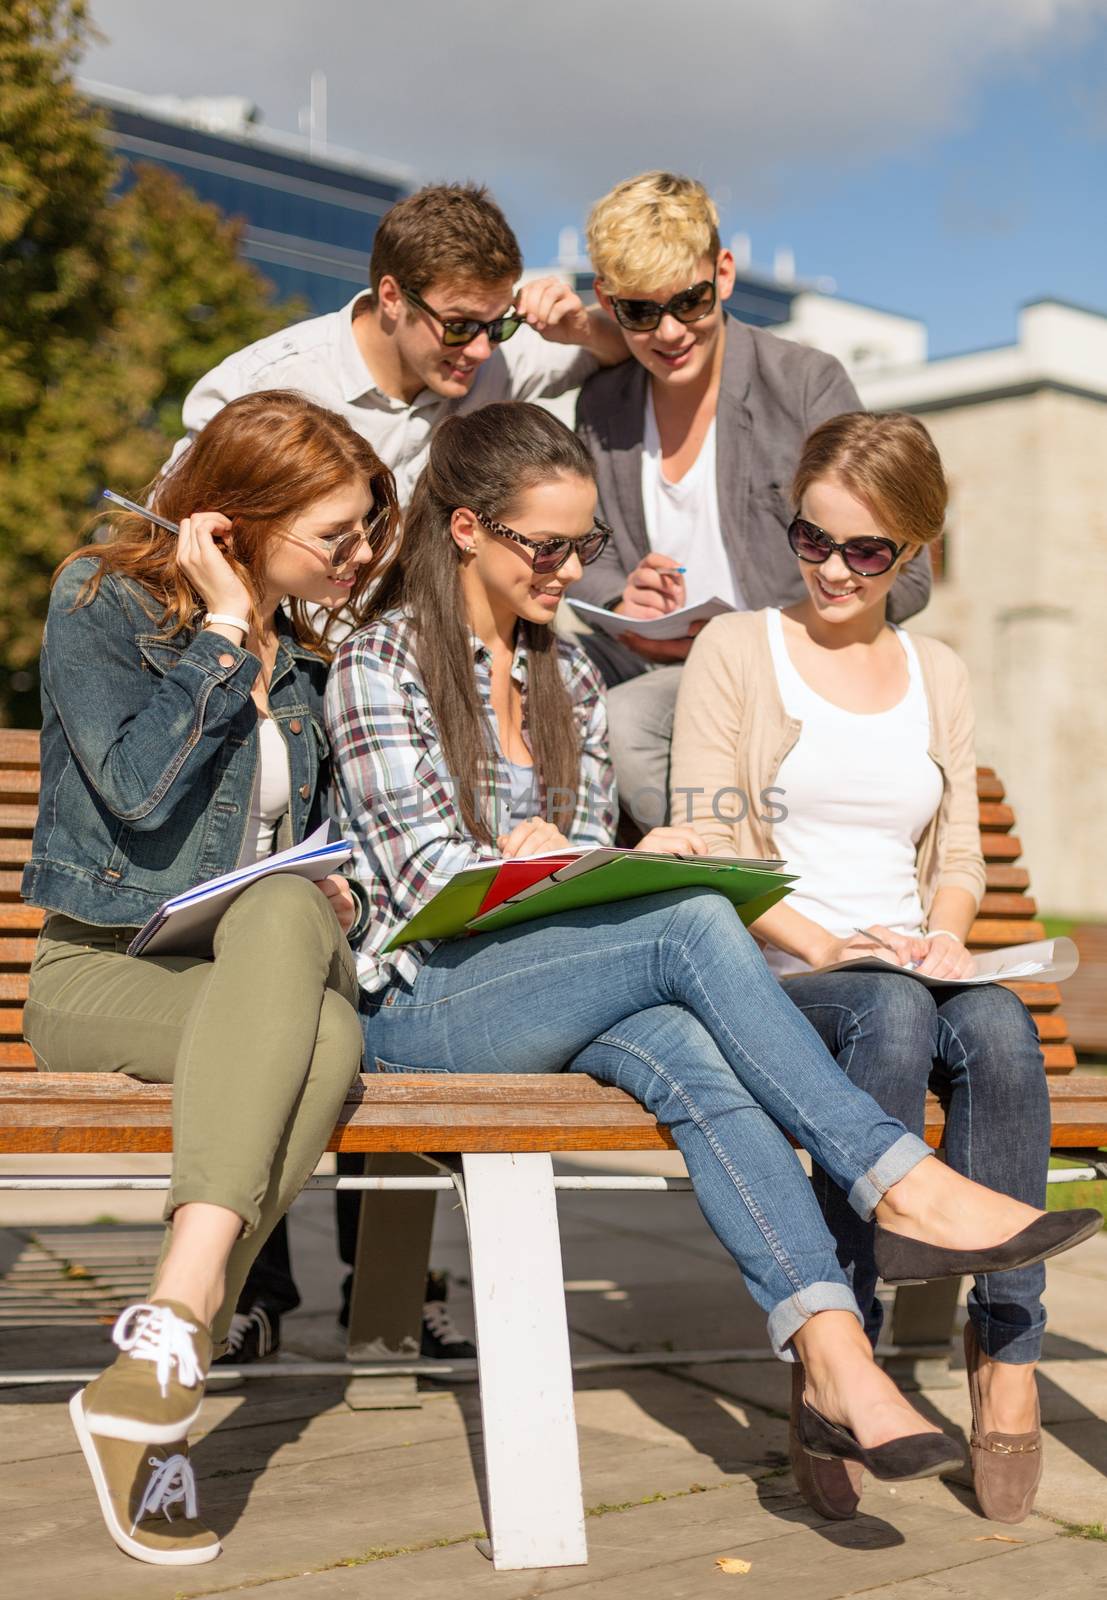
{"points": [[149, 748]]}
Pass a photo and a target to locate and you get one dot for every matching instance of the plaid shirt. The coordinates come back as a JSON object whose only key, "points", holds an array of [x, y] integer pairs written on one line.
{"points": [[395, 799]]}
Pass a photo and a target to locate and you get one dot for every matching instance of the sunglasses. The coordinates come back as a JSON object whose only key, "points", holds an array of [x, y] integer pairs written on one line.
{"points": [[463, 330], [550, 555], [339, 547], [690, 305], [867, 557], [342, 547]]}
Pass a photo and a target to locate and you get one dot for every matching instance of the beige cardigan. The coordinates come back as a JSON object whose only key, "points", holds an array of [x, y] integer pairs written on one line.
{"points": [[732, 732]]}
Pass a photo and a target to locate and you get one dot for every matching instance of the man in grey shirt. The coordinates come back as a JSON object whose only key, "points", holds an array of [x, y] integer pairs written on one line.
{"points": [[695, 442], [442, 327]]}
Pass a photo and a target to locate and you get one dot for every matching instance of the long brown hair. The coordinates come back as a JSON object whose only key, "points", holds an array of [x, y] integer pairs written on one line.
{"points": [[889, 462], [262, 460], [484, 461]]}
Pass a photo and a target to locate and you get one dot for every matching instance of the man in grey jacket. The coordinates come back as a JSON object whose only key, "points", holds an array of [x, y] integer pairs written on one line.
{"points": [[695, 442]]}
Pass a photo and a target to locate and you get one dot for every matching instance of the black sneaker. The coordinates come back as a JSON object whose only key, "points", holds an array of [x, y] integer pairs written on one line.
{"points": [[441, 1341], [252, 1336]]}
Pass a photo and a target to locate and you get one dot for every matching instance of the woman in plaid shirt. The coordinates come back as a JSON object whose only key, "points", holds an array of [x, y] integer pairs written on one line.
{"points": [[461, 725]]}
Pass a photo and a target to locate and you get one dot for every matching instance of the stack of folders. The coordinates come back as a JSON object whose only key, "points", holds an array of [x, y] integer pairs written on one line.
{"points": [[186, 924], [498, 894]]}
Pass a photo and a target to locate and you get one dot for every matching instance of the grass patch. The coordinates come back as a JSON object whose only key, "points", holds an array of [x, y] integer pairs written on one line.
{"points": [[1085, 1530], [1073, 1196]]}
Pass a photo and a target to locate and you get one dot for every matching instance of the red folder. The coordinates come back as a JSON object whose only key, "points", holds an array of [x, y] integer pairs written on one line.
{"points": [[515, 876]]}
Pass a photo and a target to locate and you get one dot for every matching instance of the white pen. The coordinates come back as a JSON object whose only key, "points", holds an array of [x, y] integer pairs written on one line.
{"points": [[905, 966], [143, 511]]}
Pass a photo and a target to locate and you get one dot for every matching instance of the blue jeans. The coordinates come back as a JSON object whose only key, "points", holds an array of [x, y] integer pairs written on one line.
{"points": [[669, 998], [978, 1049]]}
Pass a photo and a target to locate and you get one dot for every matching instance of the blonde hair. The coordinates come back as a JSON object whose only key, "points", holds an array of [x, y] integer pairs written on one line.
{"points": [[890, 462], [652, 231]]}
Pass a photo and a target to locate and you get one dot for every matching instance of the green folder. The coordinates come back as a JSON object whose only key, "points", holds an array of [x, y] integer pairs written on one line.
{"points": [[449, 912], [751, 889]]}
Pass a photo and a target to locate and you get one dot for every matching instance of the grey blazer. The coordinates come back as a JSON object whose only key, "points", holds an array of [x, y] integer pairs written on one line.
{"points": [[773, 394]]}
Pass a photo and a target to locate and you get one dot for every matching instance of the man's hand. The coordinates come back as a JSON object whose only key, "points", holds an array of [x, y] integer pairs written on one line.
{"points": [[343, 904], [654, 588], [556, 312]]}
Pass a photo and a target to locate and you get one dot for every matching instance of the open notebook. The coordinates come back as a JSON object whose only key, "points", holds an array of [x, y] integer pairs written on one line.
{"points": [[1044, 961], [186, 924]]}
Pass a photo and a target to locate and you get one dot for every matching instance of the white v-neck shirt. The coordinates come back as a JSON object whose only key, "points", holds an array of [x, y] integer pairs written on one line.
{"points": [[859, 788], [682, 519]]}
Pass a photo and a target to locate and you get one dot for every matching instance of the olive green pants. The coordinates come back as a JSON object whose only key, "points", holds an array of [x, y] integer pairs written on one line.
{"points": [[260, 1043]]}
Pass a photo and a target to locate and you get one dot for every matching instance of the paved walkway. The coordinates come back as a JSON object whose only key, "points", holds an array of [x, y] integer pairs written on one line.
{"points": [[682, 1467]]}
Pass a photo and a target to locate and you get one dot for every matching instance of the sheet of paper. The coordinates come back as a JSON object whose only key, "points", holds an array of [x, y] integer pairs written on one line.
{"points": [[674, 625], [1044, 961]]}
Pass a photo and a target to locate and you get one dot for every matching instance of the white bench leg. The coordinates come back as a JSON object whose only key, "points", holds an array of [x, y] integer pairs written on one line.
{"points": [[535, 1509]]}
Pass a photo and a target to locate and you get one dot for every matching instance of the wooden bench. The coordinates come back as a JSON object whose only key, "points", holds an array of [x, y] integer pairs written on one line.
{"points": [[495, 1136]]}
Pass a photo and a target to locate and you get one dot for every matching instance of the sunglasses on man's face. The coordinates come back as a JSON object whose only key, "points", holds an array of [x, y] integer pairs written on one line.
{"points": [[690, 305], [868, 558], [550, 555], [463, 330]]}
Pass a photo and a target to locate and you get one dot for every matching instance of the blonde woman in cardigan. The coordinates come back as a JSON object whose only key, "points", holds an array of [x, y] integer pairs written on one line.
{"points": [[824, 734]]}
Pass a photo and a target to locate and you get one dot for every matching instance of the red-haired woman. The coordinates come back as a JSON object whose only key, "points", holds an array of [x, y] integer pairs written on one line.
{"points": [[182, 683]]}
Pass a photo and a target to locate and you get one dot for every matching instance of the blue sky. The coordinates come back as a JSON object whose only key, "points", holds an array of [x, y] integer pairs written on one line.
{"points": [[959, 231], [944, 158]]}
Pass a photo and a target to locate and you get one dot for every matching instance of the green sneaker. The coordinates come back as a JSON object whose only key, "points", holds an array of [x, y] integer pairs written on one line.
{"points": [[147, 1495], [152, 1392]]}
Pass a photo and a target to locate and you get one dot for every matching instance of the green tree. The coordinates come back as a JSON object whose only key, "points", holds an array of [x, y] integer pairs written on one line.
{"points": [[111, 306]]}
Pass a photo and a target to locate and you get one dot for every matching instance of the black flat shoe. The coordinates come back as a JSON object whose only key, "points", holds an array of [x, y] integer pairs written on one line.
{"points": [[900, 1260], [919, 1455]]}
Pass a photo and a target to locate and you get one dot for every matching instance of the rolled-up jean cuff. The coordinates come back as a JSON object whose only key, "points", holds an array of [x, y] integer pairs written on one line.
{"points": [[1000, 1341], [896, 1162], [186, 1194], [788, 1316]]}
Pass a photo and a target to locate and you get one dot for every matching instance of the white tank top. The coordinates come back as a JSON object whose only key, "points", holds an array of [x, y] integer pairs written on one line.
{"points": [[271, 794], [860, 789]]}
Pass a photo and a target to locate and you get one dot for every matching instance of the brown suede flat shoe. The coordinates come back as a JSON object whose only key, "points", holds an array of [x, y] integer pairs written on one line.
{"points": [[832, 1488], [1006, 1467]]}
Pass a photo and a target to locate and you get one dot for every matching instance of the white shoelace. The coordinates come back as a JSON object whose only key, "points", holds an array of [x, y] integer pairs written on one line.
{"points": [[155, 1333], [171, 1482], [241, 1323], [437, 1318]]}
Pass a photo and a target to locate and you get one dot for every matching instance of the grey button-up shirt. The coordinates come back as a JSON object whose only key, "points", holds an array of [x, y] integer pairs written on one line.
{"points": [[320, 359]]}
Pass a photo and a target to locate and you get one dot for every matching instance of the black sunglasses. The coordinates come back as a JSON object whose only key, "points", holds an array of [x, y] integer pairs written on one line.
{"points": [[463, 330], [690, 305], [550, 555], [867, 557]]}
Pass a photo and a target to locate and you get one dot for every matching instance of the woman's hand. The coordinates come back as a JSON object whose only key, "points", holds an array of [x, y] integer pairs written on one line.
{"points": [[207, 568], [857, 946], [947, 958], [534, 837], [343, 904], [681, 840]]}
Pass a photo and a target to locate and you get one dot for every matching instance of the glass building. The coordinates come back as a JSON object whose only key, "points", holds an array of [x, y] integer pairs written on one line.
{"points": [[308, 218]]}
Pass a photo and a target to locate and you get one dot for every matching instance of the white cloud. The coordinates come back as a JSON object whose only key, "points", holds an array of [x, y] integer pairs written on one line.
{"points": [[552, 103]]}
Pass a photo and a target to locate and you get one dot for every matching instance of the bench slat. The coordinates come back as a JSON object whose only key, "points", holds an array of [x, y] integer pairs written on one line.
{"points": [[991, 934], [998, 875], [1009, 907], [1000, 846], [63, 1113], [19, 747], [995, 818]]}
